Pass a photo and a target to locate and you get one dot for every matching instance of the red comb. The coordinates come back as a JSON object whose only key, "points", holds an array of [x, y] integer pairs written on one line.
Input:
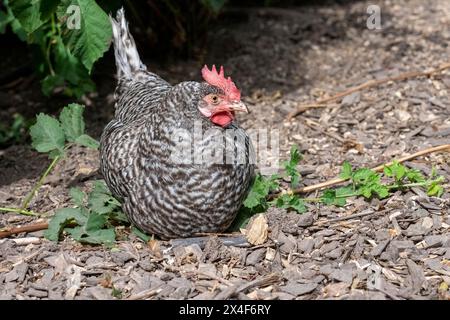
{"points": [[218, 80]]}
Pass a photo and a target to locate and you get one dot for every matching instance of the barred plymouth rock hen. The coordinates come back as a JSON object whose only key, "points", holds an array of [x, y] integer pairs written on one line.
{"points": [[174, 155]]}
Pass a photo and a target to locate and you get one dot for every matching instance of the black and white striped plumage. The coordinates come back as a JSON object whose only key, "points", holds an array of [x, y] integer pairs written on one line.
{"points": [[160, 195]]}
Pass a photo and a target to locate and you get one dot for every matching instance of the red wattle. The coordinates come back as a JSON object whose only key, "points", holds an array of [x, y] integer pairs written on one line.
{"points": [[222, 118]]}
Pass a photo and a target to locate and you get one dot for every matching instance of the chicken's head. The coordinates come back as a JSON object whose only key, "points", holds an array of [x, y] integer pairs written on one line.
{"points": [[222, 100]]}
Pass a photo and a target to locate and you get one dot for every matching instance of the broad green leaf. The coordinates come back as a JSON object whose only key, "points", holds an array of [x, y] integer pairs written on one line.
{"points": [[435, 189], [47, 8], [363, 175], [95, 222], [291, 166], [50, 82], [259, 191], [381, 190], [61, 219], [290, 201], [331, 196], [77, 196], [71, 118], [100, 199], [16, 27], [47, 134], [102, 236], [5, 19], [395, 170], [144, 237], [119, 216], [91, 40], [415, 175], [27, 12], [346, 172], [70, 69], [87, 141]]}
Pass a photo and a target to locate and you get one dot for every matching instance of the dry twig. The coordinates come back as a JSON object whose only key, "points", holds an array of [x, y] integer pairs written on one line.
{"points": [[335, 181], [322, 103]]}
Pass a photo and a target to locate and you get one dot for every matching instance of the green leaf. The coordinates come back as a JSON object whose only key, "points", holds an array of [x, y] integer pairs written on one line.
{"points": [[73, 73], [291, 166], [414, 176], [5, 19], [116, 293], [396, 170], [141, 235], [331, 196], [241, 219], [100, 199], [50, 82], [435, 189], [77, 196], [27, 12], [71, 118], [362, 175], [47, 8], [92, 39], [61, 219], [433, 172], [102, 236], [87, 141], [290, 201], [47, 135], [95, 222], [259, 191], [346, 172], [381, 190]]}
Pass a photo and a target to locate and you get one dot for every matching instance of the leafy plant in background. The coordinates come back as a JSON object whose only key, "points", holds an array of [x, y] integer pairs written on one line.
{"points": [[94, 215], [69, 36], [52, 136], [14, 133]]}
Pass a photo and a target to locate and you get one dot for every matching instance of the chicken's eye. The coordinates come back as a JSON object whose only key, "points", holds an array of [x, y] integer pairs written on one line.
{"points": [[214, 99]]}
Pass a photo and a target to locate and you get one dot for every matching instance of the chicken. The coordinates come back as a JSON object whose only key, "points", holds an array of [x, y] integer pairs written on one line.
{"points": [[174, 155]]}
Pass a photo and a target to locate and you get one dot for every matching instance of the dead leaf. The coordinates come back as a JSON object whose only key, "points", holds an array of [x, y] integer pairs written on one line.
{"points": [[256, 232], [155, 248]]}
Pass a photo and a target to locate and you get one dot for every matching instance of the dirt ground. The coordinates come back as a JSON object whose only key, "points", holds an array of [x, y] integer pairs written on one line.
{"points": [[397, 248]]}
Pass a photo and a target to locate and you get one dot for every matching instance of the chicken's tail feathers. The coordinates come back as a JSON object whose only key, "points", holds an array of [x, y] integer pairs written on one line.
{"points": [[125, 51]]}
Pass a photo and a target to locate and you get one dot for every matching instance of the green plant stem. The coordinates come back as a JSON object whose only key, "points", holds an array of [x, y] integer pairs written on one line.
{"points": [[19, 210], [311, 199], [50, 43], [39, 183], [408, 185]]}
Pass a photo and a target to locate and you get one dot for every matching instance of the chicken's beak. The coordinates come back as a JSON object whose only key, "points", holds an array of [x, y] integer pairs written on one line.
{"points": [[238, 106]]}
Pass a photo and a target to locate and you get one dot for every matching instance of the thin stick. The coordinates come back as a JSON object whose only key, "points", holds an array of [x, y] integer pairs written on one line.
{"points": [[29, 228], [369, 84], [39, 183], [261, 282], [144, 294], [335, 181]]}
